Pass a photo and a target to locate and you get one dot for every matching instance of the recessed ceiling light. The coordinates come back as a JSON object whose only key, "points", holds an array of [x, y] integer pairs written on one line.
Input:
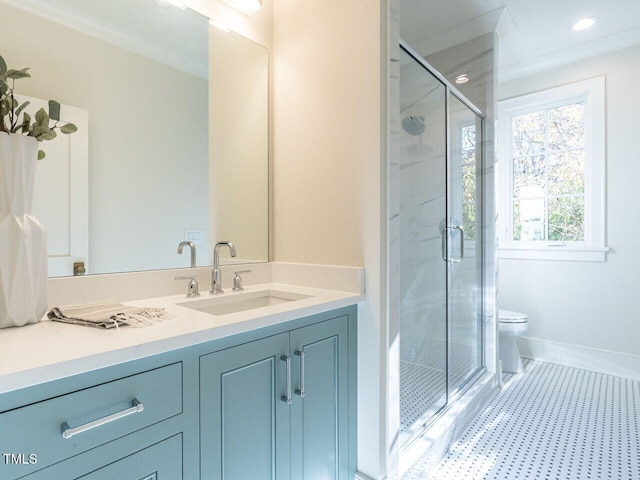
{"points": [[584, 23], [463, 78]]}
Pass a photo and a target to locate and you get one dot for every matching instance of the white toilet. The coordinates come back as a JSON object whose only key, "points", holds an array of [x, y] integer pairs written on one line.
{"points": [[511, 326]]}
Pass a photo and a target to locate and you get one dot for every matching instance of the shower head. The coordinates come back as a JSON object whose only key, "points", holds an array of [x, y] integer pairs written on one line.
{"points": [[413, 125]]}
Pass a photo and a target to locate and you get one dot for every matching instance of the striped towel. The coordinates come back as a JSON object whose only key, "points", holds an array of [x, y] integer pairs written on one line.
{"points": [[108, 315]]}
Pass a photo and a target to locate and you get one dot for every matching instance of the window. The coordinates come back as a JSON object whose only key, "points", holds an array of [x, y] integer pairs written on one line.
{"points": [[468, 158], [551, 168]]}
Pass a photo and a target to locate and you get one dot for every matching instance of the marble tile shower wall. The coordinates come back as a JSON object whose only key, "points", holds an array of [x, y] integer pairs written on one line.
{"points": [[422, 199]]}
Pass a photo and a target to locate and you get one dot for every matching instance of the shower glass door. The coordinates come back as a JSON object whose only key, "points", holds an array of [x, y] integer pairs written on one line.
{"points": [[464, 243], [423, 273], [440, 245]]}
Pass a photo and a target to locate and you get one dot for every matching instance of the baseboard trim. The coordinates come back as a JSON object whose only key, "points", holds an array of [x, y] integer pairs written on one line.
{"points": [[602, 361]]}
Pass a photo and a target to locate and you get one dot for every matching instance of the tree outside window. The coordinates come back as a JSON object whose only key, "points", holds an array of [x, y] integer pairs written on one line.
{"points": [[548, 161]]}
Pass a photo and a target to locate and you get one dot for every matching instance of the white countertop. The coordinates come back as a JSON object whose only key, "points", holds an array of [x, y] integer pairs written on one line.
{"points": [[49, 350]]}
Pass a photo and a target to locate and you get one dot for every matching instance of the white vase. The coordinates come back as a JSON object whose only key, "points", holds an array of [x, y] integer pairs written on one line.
{"points": [[23, 240]]}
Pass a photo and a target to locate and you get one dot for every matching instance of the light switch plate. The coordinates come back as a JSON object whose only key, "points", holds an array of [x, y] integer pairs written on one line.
{"points": [[195, 235]]}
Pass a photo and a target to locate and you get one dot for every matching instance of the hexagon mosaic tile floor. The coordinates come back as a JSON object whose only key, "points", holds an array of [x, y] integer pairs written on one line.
{"points": [[549, 423]]}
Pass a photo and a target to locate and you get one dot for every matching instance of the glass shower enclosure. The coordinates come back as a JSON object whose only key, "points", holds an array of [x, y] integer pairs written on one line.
{"points": [[441, 242]]}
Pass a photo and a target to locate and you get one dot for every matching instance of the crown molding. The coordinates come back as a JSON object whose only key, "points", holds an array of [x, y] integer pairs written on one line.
{"points": [[570, 55], [94, 27]]}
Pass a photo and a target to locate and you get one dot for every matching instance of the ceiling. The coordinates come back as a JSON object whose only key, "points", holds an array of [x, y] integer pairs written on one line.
{"points": [[534, 34]]}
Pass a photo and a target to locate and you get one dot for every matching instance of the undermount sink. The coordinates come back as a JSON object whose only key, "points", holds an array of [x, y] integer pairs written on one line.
{"points": [[239, 302]]}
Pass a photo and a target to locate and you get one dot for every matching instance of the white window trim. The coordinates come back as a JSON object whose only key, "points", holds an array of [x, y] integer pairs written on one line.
{"points": [[594, 247]]}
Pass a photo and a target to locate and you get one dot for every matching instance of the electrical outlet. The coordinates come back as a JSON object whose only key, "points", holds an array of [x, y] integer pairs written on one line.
{"points": [[195, 235]]}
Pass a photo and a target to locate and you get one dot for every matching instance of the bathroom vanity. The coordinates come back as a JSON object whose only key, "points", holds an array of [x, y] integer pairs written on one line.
{"points": [[267, 392]]}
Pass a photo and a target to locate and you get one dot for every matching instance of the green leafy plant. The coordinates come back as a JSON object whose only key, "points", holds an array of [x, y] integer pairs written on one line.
{"points": [[10, 110]]}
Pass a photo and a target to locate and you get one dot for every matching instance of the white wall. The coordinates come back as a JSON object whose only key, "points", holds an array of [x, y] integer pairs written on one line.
{"points": [[591, 306], [329, 62], [326, 117], [140, 185]]}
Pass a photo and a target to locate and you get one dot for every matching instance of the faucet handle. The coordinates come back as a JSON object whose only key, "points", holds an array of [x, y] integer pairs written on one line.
{"points": [[237, 280], [192, 286]]}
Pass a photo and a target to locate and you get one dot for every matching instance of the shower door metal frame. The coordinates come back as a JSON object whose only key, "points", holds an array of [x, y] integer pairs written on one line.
{"points": [[468, 382]]}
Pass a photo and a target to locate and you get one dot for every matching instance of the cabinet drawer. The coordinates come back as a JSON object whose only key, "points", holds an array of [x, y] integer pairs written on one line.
{"points": [[90, 417], [156, 462]]}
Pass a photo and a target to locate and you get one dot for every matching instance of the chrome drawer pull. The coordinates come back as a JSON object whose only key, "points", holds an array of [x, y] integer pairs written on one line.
{"points": [[67, 432]]}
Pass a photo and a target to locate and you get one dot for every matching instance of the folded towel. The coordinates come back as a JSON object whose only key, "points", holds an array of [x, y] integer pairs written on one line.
{"points": [[107, 315]]}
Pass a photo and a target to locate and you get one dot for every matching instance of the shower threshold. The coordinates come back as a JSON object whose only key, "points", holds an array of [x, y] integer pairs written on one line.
{"points": [[434, 438]]}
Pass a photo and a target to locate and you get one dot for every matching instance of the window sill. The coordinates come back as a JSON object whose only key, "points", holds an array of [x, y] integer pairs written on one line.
{"points": [[560, 253]]}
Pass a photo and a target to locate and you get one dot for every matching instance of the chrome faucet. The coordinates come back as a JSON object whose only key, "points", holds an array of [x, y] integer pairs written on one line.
{"points": [[192, 247], [216, 274]]}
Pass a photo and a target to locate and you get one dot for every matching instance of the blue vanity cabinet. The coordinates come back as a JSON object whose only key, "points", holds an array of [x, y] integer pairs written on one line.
{"points": [[281, 407], [277, 403]]}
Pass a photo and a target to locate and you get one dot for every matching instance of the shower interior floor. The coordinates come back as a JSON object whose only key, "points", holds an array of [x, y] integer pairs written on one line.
{"points": [[551, 422], [423, 379]]}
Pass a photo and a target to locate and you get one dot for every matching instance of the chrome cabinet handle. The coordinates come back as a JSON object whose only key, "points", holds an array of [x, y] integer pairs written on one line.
{"points": [[445, 235], [67, 432], [300, 391], [287, 397]]}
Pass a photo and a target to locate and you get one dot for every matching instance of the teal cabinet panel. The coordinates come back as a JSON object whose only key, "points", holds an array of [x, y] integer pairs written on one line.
{"points": [[319, 418], [41, 425], [156, 462], [244, 423]]}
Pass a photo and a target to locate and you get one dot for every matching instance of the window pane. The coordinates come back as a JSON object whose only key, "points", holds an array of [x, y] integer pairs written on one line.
{"points": [[468, 156], [566, 219], [469, 221], [469, 137], [529, 220], [566, 173], [529, 133], [566, 127], [468, 183], [529, 176]]}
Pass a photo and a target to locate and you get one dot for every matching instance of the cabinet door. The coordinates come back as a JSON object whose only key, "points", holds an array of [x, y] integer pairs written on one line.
{"points": [[244, 423], [319, 419]]}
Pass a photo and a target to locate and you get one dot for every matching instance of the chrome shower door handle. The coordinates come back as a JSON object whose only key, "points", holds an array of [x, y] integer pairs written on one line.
{"points": [[300, 391], [286, 398], [445, 235], [461, 230]]}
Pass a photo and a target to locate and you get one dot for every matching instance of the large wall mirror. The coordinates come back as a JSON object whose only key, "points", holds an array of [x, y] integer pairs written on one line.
{"points": [[173, 143]]}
